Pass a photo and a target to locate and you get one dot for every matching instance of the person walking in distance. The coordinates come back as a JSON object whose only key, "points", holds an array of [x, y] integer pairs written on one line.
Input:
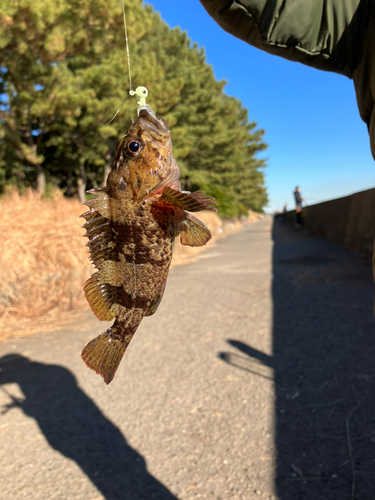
{"points": [[299, 199]]}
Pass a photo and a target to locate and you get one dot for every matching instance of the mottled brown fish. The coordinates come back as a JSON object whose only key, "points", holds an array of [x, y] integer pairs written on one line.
{"points": [[131, 226]]}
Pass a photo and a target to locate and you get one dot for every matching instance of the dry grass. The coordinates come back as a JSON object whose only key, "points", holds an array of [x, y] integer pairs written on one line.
{"points": [[45, 261]]}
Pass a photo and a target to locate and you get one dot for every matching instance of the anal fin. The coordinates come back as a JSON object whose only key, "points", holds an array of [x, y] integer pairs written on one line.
{"points": [[101, 297], [193, 232]]}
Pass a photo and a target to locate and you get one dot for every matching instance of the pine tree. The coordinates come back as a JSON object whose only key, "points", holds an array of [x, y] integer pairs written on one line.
{"points": [[64, 74]]}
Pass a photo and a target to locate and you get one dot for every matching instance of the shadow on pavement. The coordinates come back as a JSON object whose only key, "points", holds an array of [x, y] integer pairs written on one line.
{"points": [[74, 426], [324, 369], [246, 362]]}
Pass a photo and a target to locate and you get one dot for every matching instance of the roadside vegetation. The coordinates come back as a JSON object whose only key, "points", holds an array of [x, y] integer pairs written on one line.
{"points": [[44, 261]]}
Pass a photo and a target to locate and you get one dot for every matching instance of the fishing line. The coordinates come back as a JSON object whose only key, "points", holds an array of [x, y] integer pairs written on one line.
{"points": [[131, 91], [127, 45], [140, 92]]}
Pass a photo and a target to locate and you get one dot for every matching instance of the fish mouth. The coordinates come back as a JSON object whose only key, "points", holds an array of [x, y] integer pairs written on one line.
{"points": [[153, 125], [158, 129]]}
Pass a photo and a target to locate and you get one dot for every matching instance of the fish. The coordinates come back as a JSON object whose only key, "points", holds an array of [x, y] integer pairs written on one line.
{"points": [[131, 228]]}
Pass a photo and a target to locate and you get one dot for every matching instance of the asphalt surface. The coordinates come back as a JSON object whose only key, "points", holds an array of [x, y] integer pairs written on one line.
{"points": [[255, 379]]}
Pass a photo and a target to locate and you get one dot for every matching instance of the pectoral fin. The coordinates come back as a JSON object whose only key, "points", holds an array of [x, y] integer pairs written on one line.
{"points": [[193, 232], [192, 202]]}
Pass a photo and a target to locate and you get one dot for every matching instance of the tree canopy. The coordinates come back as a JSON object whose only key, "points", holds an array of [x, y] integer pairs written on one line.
{"points": [[63, 74]]}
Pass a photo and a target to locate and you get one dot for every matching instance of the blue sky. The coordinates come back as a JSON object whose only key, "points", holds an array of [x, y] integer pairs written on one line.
{"points": [[315, 135]]}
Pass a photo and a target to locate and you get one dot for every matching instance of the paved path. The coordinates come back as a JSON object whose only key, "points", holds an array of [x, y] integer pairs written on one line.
{"points": [[250, 382]]}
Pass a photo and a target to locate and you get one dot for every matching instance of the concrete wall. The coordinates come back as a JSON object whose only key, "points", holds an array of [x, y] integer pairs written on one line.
{"points": [[348, 221]]}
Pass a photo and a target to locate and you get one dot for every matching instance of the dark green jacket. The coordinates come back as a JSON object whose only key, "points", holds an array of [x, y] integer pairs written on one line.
{"points": [[332, 35]]}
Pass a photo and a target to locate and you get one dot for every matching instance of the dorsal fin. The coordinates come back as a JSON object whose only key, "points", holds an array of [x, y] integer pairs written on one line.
{"points": [[98, 228]]}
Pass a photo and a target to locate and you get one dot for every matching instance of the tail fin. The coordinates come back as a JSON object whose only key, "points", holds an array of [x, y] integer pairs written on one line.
{"points": [[103, 354]]}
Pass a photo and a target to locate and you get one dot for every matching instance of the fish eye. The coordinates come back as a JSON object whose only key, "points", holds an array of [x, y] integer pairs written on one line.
{"points": [[134, 147]]}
